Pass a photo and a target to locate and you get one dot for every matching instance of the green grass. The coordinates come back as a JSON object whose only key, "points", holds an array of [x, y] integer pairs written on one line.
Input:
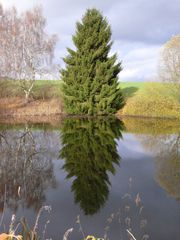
{"points": [[150, 99], [132, 84], [46, 89], [130, 88], [42, 89]]}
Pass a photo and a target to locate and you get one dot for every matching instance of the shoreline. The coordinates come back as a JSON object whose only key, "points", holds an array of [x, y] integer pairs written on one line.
{"points": [[57, 117], [147, 117], [15, 109]]}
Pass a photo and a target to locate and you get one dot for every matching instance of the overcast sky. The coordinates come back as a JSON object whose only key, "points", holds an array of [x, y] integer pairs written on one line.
{"points": [[139, 27]]}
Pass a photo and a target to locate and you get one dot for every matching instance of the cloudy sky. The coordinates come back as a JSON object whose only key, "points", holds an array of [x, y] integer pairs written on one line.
{"points": [[139, 27]]}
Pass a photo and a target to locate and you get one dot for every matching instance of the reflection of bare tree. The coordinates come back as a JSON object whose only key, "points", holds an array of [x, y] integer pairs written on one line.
{"points": [[167, 151], [26, 168]]}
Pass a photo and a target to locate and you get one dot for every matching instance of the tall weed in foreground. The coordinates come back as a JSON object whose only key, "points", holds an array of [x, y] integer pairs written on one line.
{"points": [[26, 232], [132, 227]]}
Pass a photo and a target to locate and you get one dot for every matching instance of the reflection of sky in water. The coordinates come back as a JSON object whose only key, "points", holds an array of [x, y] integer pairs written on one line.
{"points": [[129, 145]]}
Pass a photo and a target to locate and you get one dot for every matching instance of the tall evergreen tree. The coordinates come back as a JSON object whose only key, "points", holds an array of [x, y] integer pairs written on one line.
{"points": [[91, 75]]}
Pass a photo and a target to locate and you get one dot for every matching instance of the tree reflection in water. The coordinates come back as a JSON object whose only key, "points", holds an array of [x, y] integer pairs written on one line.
{"points": [[26, 169], [167, 151], [161, 137], [89, 150]]}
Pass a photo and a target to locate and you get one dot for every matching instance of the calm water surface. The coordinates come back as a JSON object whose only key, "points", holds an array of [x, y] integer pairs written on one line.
{"points": [[109, 175]]}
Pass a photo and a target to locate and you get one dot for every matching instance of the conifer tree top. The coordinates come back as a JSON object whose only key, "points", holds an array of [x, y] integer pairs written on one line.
{"points": [[91, 75], [92, 26]]}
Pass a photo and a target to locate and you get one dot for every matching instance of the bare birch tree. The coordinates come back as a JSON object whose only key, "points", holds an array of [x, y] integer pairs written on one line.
{"points": [[26, 50], [170, 65]]}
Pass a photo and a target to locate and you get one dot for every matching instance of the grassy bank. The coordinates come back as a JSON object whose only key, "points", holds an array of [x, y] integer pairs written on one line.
{"points": [[46, 98], [15, 106], [143, 99], [150, 99]]}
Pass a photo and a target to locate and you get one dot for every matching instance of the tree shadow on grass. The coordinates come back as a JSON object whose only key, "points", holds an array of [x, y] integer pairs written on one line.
{"points": [[129, 91]]}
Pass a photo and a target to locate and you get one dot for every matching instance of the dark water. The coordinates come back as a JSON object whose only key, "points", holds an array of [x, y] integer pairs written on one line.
{"points": [[102, 175]]}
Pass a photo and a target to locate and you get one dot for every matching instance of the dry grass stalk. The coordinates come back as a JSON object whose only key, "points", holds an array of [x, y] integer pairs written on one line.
{"points": [[132, 236]]}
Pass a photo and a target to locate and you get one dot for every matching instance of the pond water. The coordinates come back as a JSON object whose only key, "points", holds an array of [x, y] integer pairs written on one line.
{"points": [[101, 177]]}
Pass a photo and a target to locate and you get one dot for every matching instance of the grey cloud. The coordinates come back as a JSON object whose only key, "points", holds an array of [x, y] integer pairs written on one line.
{"points": [[133, 20], [145, 21], [136, 25]]}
